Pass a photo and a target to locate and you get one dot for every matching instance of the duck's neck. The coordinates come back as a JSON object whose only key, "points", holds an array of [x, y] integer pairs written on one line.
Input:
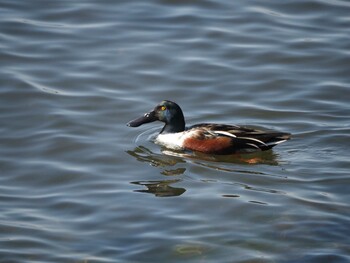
{"points": [[177, 124]]}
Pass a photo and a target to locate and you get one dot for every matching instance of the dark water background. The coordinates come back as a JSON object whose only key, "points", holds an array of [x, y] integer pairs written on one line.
{"points": [[77, 185]]}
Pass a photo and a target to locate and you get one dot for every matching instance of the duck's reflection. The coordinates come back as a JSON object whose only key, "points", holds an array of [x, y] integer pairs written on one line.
{"points": [[171, 158], [161, 188], [173, 164], [168, 160], [144, 154], [266, 157]]}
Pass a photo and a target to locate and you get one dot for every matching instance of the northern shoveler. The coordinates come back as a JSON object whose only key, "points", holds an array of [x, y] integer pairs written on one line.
{"points": [[206, 137]]}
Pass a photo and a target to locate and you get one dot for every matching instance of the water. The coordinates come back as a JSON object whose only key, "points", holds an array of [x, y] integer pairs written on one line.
{"points": [[78, 185]]}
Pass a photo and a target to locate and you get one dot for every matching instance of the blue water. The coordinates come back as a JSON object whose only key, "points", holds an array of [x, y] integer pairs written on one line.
{"points": [[78, 185]]}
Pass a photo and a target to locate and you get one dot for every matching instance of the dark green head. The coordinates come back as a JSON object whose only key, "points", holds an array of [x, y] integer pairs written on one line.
{"points": [[168, 112]]}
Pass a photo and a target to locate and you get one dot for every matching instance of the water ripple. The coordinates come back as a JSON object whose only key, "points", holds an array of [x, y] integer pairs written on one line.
{"points": [[77, 185]]}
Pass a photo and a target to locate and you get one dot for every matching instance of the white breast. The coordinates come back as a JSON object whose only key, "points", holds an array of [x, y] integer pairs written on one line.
{"points": [[171, 140]]}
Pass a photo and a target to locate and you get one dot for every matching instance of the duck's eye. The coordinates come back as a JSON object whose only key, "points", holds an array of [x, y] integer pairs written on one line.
{"points": [[162, 108]]}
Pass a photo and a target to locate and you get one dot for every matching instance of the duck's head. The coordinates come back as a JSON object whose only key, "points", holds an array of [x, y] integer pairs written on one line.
{"points": [[168, 112]]}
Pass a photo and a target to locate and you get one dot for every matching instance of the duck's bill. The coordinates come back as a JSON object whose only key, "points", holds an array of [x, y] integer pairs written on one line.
{"points": [[148, 117]]}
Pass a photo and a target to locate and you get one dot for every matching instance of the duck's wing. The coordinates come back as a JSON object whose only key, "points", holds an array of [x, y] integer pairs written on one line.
{"points": [[266, 136], [227, 139], [220, 142]]}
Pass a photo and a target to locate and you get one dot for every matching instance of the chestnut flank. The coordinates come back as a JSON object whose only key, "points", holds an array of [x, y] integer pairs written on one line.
{"points": [[212, 145]]}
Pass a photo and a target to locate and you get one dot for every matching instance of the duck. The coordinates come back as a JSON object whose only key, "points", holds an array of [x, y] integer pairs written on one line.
{"points": [[207, 138]]}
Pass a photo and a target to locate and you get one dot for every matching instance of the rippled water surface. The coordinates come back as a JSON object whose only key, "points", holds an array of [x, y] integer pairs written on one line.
{"points": [[78, 185]]}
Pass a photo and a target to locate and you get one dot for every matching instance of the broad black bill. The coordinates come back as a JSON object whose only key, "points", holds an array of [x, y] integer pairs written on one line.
{"points": [[148, 117]]}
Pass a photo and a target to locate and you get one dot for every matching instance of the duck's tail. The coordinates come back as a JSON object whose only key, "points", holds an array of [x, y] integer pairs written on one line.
{"points": [[263, 142]]}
